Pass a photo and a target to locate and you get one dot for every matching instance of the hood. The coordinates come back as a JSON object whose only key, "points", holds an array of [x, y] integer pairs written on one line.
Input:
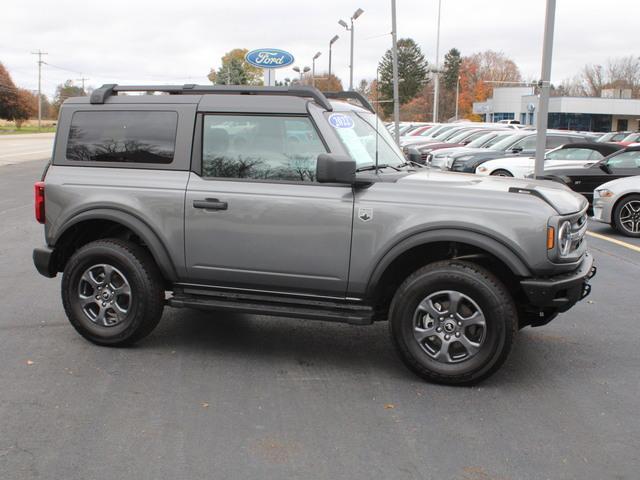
{"points": [[631, 184], [559, 196]]}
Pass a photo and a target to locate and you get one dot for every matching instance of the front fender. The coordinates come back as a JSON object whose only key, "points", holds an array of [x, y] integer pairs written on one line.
{"points": [[479, 240]]}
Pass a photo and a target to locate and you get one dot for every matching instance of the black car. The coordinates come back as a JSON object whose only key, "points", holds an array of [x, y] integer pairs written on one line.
{"points": [[521, 143], [584, 180]]}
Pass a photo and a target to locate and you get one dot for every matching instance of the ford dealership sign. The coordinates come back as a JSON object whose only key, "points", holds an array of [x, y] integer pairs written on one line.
{"points": [[269, 58]]}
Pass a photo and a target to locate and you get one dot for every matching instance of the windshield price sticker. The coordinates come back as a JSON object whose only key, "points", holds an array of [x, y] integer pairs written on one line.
{"points": [[338, 120]]}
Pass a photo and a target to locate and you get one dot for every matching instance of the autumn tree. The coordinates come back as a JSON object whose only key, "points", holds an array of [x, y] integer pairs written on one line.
{"points": [[328, 83], [16, 104], [412, 73], [63, 91], [479, 73], [235, 70]]}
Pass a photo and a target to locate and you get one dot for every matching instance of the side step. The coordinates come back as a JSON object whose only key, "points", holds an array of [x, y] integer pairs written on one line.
{"points": [[276, 305]]}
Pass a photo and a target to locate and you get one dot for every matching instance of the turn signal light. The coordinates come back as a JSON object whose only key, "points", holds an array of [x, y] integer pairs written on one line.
{"points": [[39, 201], [551, 238]]}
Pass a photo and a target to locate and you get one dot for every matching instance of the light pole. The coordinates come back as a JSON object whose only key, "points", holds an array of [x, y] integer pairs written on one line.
{"points": [[313, 69], [545, 86], [457, 95], [331, 42], [301, 72], [436, 86], [355, 15], [394, 52]]}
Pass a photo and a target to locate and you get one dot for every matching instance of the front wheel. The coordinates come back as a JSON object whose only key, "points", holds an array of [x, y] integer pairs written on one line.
{"points": [[453, 322], [626, 216], [501, 173], [112, 292]]}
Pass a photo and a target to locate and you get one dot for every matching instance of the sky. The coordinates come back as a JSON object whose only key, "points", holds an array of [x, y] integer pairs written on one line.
{"points": [[153, 42]]}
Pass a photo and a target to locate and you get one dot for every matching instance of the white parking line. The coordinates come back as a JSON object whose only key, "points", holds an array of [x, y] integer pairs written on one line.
{"points": [[630, 246]]}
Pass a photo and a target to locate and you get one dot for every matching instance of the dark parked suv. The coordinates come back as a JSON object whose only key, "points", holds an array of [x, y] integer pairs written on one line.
{"points": [[291, 202]]}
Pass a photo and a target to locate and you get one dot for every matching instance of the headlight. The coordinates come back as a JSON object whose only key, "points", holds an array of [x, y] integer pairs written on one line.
{"points": [[564, 238], [465, 157], [604, 193]]}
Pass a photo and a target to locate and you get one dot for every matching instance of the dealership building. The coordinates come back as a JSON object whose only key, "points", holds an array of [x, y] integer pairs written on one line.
{"points": [[615, 110]]}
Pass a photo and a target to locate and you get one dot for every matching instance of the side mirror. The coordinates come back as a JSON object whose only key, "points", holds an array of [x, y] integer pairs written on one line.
{"points": [[332, 168], [414, 156], [516, 149], [605, 168]]}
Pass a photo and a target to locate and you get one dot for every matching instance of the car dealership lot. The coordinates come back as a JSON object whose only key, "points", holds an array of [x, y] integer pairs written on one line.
{"points": [[237, 396]]}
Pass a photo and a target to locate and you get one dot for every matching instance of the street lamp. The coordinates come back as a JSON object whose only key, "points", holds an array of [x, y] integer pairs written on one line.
{"points": [[331, 42], [313, 68], [355, 15], [436, 85], [301, 72]]}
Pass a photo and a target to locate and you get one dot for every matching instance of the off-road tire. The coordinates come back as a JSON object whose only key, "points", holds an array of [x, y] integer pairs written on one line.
{"points": [[481, 286], [146, 286]]}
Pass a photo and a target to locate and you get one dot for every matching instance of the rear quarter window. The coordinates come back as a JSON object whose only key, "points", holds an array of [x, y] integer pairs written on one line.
{"points": [[122, 136]]}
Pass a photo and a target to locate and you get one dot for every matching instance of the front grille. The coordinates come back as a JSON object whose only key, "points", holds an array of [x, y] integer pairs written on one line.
{"points": [[578, 231]]}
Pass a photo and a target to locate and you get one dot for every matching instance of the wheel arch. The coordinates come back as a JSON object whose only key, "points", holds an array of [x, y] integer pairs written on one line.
{"points": [[76, 230], [415, 251]]}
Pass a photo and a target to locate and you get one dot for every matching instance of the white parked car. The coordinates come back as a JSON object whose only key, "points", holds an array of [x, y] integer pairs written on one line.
{"points": [[618, 203], [571, 154]]}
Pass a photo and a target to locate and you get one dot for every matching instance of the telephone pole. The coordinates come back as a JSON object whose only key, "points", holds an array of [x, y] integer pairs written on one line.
{"points": [[82, 79], [40, 62]]}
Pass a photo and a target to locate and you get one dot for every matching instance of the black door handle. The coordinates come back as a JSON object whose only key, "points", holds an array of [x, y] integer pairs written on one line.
{"points": [[210, 204]]}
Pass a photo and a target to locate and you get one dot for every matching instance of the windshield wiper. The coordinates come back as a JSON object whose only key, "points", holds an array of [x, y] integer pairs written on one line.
{"points": [[375, 167]]}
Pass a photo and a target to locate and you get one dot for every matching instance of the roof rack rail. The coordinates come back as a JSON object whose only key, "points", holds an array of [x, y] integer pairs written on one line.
{"points": [[350, 95], [100, 95]]}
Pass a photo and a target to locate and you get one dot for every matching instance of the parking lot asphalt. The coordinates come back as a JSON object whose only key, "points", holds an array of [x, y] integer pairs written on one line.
{"points": [[249, 397]]}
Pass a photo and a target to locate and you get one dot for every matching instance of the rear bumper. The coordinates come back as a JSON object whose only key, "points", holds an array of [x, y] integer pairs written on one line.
{"points": [[561, 292], [44, 262]]}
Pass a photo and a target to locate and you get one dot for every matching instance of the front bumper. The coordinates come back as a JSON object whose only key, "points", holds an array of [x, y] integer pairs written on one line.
{"points": [[602, 209], [43, 259], [561, 292]]}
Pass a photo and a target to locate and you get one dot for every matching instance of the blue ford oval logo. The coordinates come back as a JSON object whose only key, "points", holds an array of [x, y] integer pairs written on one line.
{"points": [[339, 120], [269, 58]]}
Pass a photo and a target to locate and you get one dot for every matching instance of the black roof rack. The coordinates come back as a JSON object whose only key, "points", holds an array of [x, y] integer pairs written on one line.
{"points": [[350, 95], [100, 95]]}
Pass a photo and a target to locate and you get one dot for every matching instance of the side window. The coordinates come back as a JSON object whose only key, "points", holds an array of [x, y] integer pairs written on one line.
{"points": [[630, 159], [574, 154], [528, 143], [260, 147], [557, 140], [122, 136]]}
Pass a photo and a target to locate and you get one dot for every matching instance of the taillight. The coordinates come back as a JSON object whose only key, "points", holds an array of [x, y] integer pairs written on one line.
{"points": [[39, 190]]}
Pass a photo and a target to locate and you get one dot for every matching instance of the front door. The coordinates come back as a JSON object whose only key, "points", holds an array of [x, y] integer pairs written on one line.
{"points": [[255, 218]]}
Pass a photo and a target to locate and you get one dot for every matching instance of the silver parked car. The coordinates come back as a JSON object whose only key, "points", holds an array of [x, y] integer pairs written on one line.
{"points": [[618, 203]]}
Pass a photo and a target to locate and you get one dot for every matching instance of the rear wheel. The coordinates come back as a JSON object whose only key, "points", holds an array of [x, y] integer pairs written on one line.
{"points": [[626, 216], [453, 322], [112, 292], [501, 173]]}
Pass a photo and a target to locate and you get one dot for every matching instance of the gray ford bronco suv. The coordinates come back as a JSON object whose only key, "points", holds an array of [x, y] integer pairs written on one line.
{"points": [[292, 202]]}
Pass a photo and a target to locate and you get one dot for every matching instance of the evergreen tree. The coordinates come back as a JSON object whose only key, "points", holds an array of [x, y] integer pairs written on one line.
{"points": [[412, 73]]}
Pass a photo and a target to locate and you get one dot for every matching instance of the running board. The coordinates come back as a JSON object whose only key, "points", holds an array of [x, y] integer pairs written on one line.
{"points": [[275, 305]]}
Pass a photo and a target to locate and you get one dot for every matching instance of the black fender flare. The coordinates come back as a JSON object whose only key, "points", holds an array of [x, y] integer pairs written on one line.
{"points": [[487, 243], [157, 248]]}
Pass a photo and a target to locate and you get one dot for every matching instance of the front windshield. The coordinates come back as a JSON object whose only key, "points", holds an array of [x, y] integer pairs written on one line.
{"points": [[505, 143], [460, 136], [357, 132]]}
